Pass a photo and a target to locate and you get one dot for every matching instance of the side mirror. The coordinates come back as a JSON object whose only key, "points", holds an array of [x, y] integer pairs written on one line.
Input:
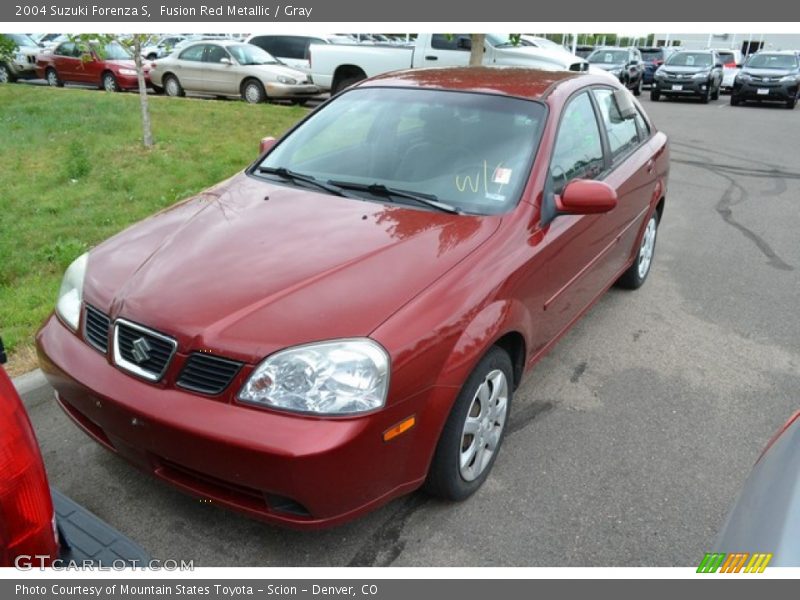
{"points": [[226, 61], [586, 197], [624, 101], [266, 144]]}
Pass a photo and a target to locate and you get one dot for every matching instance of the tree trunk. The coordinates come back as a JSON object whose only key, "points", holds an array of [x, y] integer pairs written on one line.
{"points": [[147, 131], [476, 53]]}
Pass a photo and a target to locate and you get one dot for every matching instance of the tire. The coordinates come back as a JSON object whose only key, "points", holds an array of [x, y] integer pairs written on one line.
{"points": [[705, 97], [637, 273], [484, 403], [790, 104], [655, 96], [109, 83], [157, 89], [173, 87], [345, 83], [734, 100], [715, 95], [6, 76], [300, 102], [637, 91], [253, 92], [53, 80]]}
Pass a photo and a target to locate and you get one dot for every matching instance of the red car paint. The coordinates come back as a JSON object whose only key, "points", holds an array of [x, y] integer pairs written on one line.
{"points": [[89, 69], [226, 272]]}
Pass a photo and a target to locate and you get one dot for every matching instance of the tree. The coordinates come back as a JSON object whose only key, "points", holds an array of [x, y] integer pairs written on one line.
{"points": [[133, 43], [477, 41], [7, 48]]}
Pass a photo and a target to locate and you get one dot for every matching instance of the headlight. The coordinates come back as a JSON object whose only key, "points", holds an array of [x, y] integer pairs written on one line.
{"points": [[743, 77], [659, 73], [286, 80], [128, 72], [333, 378], [701, 75], [70, 295], [789, 79]]}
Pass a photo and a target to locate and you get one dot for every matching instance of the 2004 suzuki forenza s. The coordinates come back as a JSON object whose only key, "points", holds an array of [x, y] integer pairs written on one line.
{"points": [[347, 319]]}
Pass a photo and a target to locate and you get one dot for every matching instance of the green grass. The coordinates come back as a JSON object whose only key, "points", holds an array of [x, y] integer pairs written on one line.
{"points": [[74, 172]]}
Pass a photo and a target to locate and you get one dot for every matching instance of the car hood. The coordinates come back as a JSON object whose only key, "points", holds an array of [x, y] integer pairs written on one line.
{"points": [[249, 267], [769, 72], [272, 72], [608, 66], [685, 69], [556, 58]]}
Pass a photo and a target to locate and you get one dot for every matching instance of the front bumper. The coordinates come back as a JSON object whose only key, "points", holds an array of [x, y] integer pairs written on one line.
{"points": [[131, 82], [681, 87], [286, 91], [300, 471], [754, 90]]}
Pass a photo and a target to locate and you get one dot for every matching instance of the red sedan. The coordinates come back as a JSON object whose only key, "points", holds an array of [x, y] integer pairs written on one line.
{"points": [[111, 67], [347, 319]]}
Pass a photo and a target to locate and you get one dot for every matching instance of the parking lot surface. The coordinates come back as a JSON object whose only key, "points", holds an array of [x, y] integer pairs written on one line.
{"points": [[626, 444]]}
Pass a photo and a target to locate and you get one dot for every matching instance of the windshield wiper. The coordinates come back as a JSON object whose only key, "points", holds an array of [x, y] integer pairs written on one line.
{"points": [[285, 173], [378, 189]]}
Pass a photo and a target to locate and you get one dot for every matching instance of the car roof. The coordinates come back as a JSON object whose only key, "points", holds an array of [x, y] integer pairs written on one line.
{"points": [[521, 82]]}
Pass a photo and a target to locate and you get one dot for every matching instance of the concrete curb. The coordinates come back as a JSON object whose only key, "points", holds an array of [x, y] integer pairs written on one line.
{"points": [[29, 382]]}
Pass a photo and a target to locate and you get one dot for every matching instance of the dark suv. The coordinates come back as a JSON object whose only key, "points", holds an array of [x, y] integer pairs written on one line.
{"points": [[769, 76], [653, 57], [624, 63], [689, 73]]}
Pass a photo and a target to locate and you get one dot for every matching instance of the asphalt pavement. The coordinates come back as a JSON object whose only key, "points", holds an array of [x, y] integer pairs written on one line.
{"points": [[626, 444]]}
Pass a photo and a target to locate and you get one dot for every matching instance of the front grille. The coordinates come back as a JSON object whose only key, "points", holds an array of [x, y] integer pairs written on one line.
{"points": [[95, 328], [142, 351], [208, 374]]}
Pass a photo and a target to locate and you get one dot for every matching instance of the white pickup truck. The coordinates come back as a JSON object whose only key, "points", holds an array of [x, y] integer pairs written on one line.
{"points": [[336, 66]]}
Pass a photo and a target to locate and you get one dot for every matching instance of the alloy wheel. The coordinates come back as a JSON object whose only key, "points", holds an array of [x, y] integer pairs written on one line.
{"points": [[647, 247], [483, 427]]}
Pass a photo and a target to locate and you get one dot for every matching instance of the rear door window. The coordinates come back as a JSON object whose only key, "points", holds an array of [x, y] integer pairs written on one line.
{"points": [[193, 53]]}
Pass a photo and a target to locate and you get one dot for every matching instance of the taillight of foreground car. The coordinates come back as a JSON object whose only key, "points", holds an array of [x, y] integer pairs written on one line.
{"points": [[26, 507]]}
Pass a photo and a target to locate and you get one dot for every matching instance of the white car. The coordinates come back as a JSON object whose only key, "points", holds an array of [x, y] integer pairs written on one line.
{"points": [[22, 63], [293, 49], [229, 68], [163, 46], [731, 65]]}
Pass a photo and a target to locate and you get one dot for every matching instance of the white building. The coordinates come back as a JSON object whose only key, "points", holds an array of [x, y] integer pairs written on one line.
{"points": [[746, 42]]}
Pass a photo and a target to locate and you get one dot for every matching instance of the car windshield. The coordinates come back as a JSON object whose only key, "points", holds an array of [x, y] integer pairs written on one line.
{"points": [[690, 59], [652, 55], [772, 61], [248, 54], [21, 40], [609, 57], [114, 51], [470, 151]]}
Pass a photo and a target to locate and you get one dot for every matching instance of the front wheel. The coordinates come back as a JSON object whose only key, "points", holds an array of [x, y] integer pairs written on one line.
{"points": [[5, 74], [474, 430], [637, 91], [637, 273], [791, 103], [253, 92], [734, 100], [715, 95], [654, 95]]}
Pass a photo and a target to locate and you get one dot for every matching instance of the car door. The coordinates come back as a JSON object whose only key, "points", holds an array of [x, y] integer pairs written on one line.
{"points": [[189, 67], [219, 77], [65, 60], [89, 67], [575, 247], [631, 174], [447, 50]]}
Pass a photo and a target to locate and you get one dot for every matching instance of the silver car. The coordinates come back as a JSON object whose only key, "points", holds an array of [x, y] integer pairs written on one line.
{"points": [[22, 63], [230, 68]]}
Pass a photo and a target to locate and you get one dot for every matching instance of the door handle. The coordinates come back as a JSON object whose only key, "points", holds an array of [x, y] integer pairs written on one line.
{"points": [[651, 165], [431, 57]]}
